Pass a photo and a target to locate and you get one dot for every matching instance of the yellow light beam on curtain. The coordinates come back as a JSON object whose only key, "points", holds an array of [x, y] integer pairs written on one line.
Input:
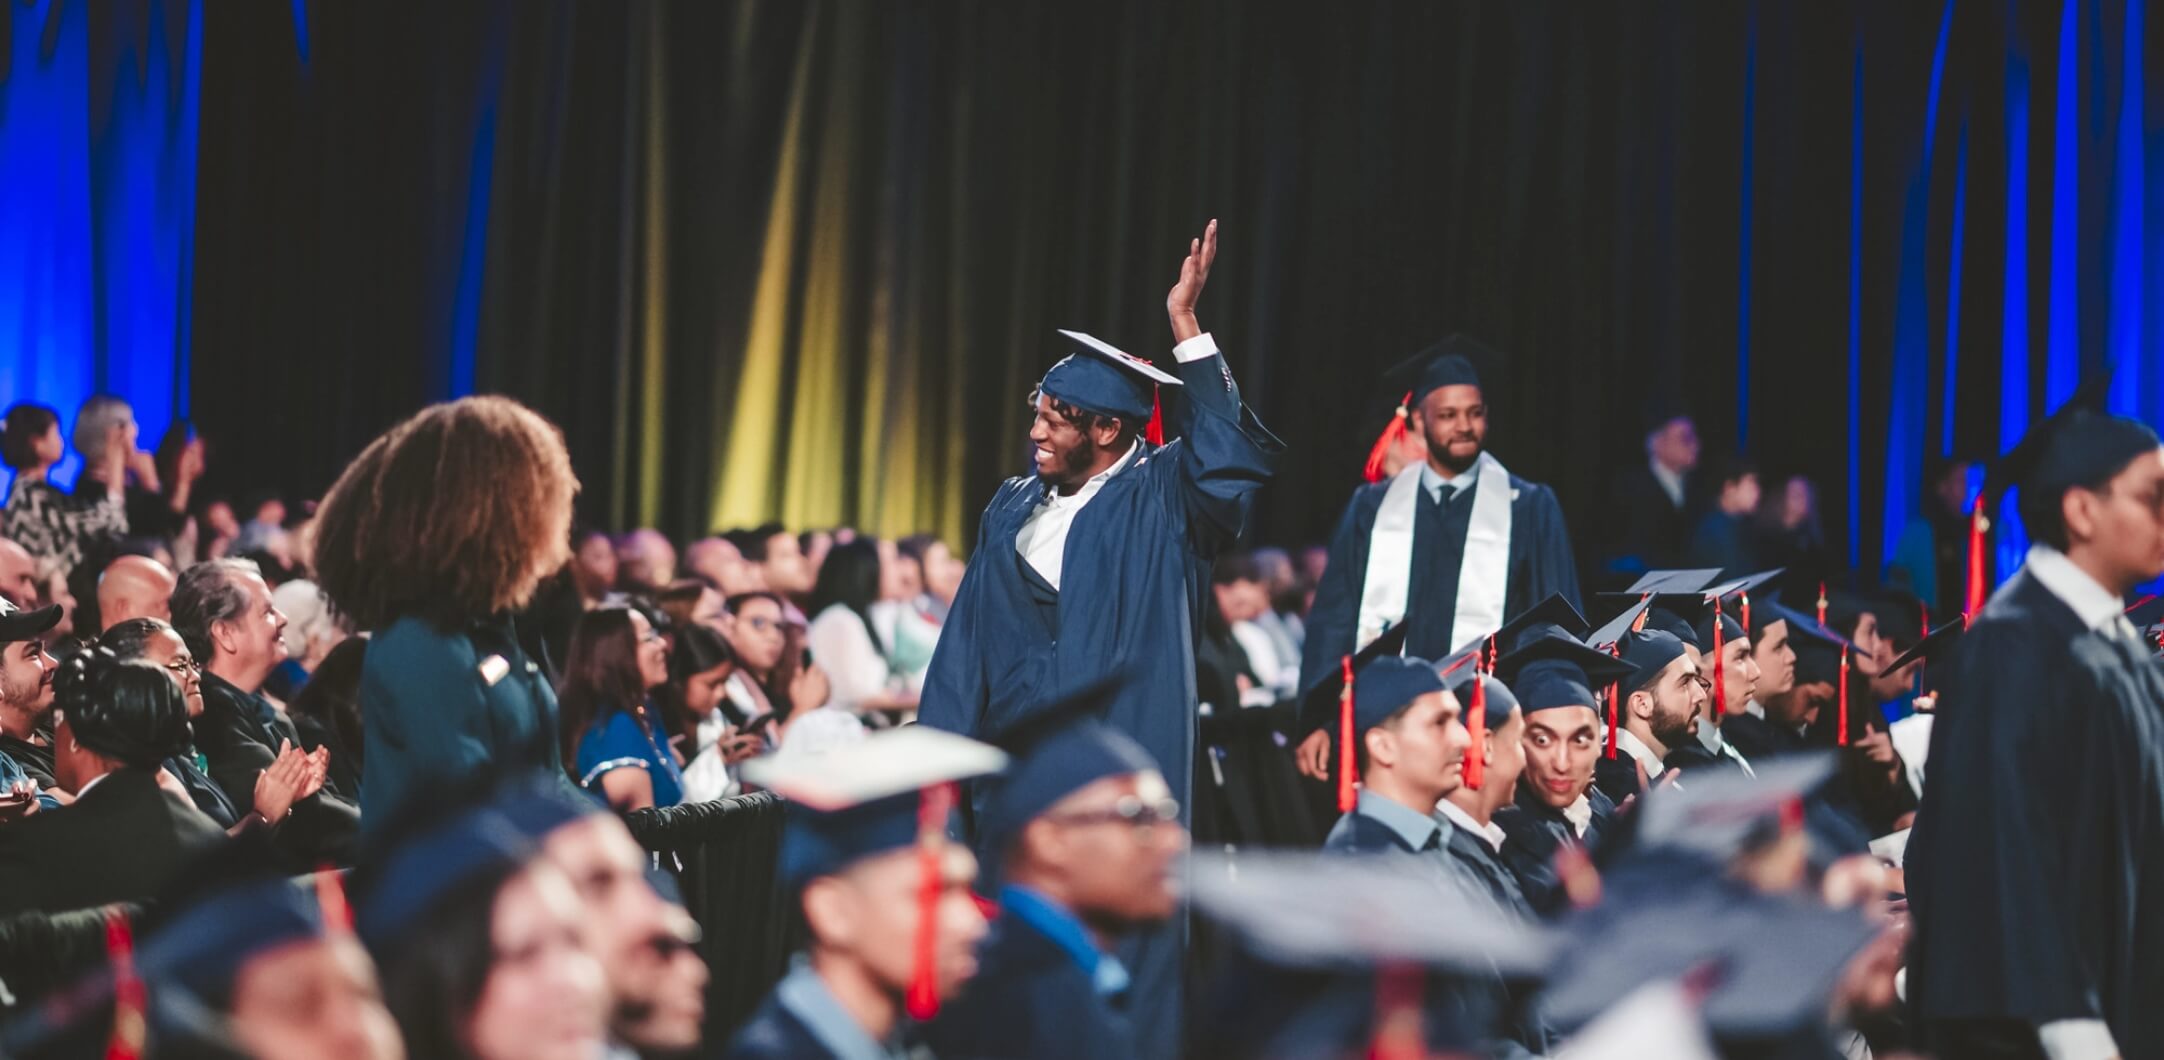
{"points": [[746, 471], [654, 286]]}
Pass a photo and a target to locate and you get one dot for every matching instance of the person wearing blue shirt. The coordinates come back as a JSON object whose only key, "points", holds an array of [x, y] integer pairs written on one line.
{"points": [[616, 747]]}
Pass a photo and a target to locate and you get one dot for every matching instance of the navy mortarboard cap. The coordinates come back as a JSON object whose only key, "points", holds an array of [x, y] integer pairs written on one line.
{"points": [[1313, 910], [535, 809], [1342, 687], [2079, 444], [1387, 685], [1931, 647], [1767, 965], [1103, 379], [204, 946], [1484, 701], [1616, 627], [1551, 672], [419, 873], [1064, 748], [1538, 620], [1671, 581], [1454, 360], [863, 800], [1321, 701], [1721, 814], [1676, 614], [1648, 652], [1801, 627], [17, 624]]}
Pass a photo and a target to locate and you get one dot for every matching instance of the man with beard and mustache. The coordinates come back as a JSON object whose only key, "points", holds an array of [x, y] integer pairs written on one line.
{"points": [[1102, 558], [26, 707], [1661, 701], [1446, 547]]}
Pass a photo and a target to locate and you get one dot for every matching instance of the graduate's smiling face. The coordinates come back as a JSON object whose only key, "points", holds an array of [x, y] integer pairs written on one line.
{"points": [[1561, 746], [1070, 445], [1454, 420]]}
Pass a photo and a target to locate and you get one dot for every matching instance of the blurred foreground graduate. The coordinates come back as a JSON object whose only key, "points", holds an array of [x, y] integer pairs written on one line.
{"points": [[1447, 547], [1088, 832], [884, 894], [2036, 868], [1102, 558]]}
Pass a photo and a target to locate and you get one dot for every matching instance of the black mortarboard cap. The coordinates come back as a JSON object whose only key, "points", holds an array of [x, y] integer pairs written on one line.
{"points": [[1671, 581], [1105, 379], [1556, 671], [1454, 360], [2078, 443], [1931, 647], [1319, 703], [1555, 612], [1677, 614], [1648, 652], [1616, 627]]}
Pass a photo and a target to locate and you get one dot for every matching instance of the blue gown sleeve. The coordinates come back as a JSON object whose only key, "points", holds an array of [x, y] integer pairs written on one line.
{"points": [[1555, 565], [955, 686], [1224, 453], [1337, 596]]}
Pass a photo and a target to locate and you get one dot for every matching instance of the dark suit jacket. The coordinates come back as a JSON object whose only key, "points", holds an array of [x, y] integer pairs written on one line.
{"points": [[1649, 531], [239, 733], [1758, 738], [122, 841], [774, 1033], [1029, 999]]}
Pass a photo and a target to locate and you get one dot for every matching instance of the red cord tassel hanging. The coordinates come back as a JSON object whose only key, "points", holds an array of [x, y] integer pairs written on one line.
{"points": [[1925, 610], [1745, 616], [1399, 1034], [1345, 796], [331, 901], [932, 810], [1391, 437], [1613, 688], [1476, 726], [130, 1007], [1974, 600], [1154, 433], [1841, 721], [1822, 607], [1720, 670]]}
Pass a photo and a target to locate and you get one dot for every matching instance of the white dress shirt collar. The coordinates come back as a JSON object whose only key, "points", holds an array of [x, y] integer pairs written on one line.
{"points": [[1455, 814], [1579, 815], [1671, 482], [2095, 605], [1628, 742]]}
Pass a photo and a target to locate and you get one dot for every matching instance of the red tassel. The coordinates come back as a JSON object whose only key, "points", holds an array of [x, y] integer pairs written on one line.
{"points": [[1154, 433], [1926, 610], [1476, 724], [932, 810], [1391, 436], [331, 901], [1345, 797], [1720, 671], [1399, 1034], [129, 1003], [1975, 599], [1745, 617], [1822, 607], [1613, 689], [1841, 735]]}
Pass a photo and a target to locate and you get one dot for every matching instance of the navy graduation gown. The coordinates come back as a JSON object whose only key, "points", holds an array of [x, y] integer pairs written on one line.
{"points": [[1028, 999], [774, 1033], [1540, 564], [2036, 868], [1533, 833], [1135, 573], [1758, 738]]}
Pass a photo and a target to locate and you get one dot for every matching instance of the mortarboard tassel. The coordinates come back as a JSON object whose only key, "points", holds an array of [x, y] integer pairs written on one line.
{"points": [[1476, 724], [1345, 797], [1154, 433], [1745, 617], [932, 810], [1720, 671], [1398, 1013], [1974, 601], [129, 1003], [1613, 688], [331, 901], [1391, 436], [1926, 610], [1841, 722], [1822, 607]]}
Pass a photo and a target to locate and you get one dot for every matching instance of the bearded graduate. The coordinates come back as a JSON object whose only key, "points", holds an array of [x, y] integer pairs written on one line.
{"points": [[1447, 546], [1100, 560]]}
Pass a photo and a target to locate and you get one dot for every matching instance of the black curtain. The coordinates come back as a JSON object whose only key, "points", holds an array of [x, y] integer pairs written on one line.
{"points": [[805, 259]]}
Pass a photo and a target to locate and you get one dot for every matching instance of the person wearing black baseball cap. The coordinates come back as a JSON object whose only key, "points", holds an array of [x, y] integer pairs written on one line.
{"points": [[26, 691]]}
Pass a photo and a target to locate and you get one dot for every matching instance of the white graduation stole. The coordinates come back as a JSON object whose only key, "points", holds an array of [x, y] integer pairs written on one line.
{"points": [[1483, 569]]}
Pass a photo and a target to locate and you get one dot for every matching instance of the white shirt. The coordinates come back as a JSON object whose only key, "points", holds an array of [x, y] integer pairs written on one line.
{"points": [[1456, 815], [855, 667], [1433, 481], [2097, 608], [1671, 481], [1629, 743], [1043, 539], [1579, 814]]}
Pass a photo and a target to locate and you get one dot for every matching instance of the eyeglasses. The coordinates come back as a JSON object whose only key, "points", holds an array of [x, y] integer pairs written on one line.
{"points": [[1128, 810], [185, 667]]}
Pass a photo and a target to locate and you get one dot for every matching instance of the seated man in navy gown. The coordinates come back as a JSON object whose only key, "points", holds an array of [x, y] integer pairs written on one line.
{"points": [[1089, 832]]}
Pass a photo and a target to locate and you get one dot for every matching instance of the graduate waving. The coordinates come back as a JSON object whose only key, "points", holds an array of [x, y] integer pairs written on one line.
{"points": [[1101, 559]]}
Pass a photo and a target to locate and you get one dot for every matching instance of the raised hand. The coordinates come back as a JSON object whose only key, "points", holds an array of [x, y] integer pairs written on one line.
{"points": [[1194, 273], [279, 786]]}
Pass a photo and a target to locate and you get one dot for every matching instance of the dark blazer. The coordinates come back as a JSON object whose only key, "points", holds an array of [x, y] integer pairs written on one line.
{"points": [[774, 1033], [1649, 530], [1029, 999], [122, 841], [239, 733], [1758, 738], [205, 792]]}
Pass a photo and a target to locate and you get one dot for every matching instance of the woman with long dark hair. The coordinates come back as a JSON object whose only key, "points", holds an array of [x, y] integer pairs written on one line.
{"points": [[845, 640], [49, 523], [613, 739], [717, 733]]}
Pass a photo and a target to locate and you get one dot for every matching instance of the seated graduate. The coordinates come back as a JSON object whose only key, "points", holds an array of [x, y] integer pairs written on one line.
{"points": [[1661, 701], [1089, 831], [1491, 780], [1718, 646], [274, 959], [1554, 675], [883, 891], [123, 838], [1795, 683], [1408, 747]]}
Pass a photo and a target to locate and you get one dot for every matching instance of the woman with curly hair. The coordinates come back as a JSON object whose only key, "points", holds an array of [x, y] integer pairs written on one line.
{"points": [[432, 538]]}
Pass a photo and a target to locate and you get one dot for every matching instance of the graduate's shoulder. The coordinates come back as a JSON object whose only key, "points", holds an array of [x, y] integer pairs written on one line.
{"points": [[1525, 490]]}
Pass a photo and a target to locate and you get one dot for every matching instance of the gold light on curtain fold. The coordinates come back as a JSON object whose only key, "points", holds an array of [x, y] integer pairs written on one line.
{"points": [[747, 487], [654, 267]]}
